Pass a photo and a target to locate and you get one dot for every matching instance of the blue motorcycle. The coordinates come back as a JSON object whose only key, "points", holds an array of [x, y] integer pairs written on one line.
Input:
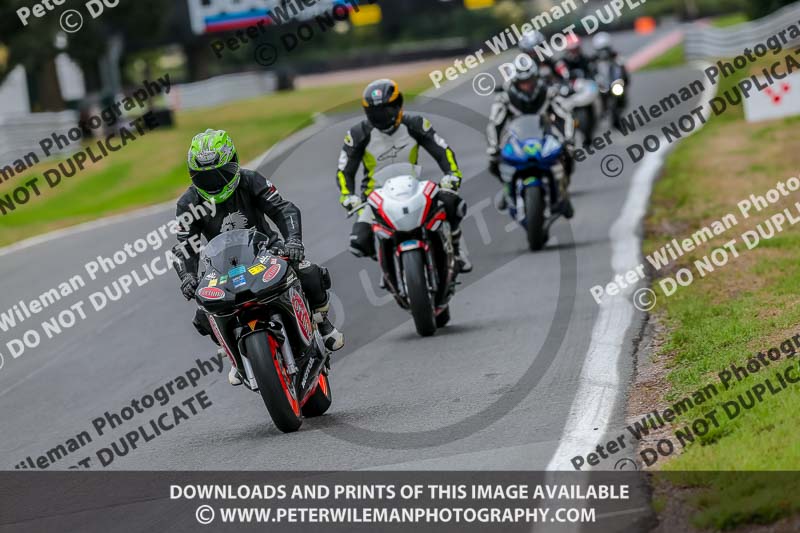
{"points": [[528, 158]]}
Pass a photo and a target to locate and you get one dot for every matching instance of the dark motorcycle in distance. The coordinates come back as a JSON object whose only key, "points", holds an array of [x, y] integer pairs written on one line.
{"points": [[261, 318], [529, 155], [414, 245], [610, 79]]}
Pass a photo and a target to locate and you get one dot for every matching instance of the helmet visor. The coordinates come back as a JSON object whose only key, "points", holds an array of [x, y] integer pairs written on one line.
{"points": [[214, 180], [527, 86], [383, 117]]}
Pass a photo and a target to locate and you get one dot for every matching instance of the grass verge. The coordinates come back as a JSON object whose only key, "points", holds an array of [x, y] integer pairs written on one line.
{"points": [[743, 308], [152, 169]]}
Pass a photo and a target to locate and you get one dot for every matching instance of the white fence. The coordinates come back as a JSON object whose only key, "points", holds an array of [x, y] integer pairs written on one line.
{"points": [[20, 134], [729, 42], [222, 89]]}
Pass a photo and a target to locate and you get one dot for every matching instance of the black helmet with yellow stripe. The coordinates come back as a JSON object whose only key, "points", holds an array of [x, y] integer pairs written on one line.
{"points": [[383, 104]]}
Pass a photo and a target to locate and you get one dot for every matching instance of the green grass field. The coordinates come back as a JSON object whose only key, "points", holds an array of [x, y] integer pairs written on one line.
{"points": [[153, 169], [747, 306]]}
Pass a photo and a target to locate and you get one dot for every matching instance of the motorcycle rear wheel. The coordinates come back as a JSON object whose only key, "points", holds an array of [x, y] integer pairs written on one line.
{"points": [[275, 385], [534, 213], [419, 298]]}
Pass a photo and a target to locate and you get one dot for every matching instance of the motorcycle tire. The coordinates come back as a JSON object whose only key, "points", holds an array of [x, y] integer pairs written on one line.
{"points": [[585, 117], [419, 298], [320, 401], [274, 384], [534, 213], [443, 318]]}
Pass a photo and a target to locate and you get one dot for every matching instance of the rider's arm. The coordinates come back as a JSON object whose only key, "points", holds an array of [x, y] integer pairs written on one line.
{"points": [[566, 122], [421, 130], [497, 121], [355, 144], [185, 258], [282, 212]]}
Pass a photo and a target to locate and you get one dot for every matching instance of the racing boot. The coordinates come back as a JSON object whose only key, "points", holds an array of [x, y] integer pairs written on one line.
{"points": [[564, 205], [233, 376], [501, 199], [463, 264], [331, 337]]}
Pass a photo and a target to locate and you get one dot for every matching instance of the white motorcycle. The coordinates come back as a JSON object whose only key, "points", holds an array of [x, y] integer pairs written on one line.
{"points": [[583, 99], [414, 244]]}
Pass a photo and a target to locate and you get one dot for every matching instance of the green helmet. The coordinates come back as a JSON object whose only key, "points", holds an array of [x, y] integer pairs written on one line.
{"points": [[214, 165]]}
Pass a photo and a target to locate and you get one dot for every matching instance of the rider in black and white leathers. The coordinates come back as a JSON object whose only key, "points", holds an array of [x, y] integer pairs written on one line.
{"points": [[386, 137], [527, 93]]}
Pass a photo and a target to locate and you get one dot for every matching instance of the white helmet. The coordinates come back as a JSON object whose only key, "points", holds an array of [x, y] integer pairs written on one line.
{"points": [[530, 41], [601, 40]]}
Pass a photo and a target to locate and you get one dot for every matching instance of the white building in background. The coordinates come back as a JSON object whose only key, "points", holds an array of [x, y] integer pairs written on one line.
{"points": [[14, 99]]}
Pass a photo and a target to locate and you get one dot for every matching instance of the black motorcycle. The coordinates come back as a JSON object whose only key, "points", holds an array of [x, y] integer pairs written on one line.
{"points": [[611, 83], [260, 316]]}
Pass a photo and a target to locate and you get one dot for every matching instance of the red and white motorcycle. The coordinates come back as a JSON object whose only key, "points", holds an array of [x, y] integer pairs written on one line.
{"points": [[414, 244]]}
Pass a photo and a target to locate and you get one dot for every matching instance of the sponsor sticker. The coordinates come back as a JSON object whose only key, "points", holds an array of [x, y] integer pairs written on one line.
{"points": [[223, 279], [211, 293], [238, 271], [212, 283], [256, 270], [301, 315], [211, 275], [271, 272], [239, 282]]}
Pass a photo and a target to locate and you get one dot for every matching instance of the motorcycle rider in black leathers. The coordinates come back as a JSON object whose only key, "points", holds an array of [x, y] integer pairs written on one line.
{"points": [[244, 199], [530, 94], [574, 63], [386, 137], [603, 51]]}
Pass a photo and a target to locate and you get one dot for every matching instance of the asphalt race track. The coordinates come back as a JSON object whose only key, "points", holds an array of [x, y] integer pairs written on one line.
{"points": [[491, 391]]}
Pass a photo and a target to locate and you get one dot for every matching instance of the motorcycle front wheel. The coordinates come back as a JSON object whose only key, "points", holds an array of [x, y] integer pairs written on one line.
{"points": [[274, 383], [419, 298], [534, 214], [320, 401]]}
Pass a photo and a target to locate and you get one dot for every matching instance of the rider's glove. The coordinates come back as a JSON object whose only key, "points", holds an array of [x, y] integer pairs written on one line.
{"points": [[295, 250], [450, 182], [350, 201], [189, 286]]}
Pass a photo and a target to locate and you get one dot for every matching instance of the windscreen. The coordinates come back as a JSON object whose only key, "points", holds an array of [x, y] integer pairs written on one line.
{"points": [[234, 248], [397, 169], [525, 127]]}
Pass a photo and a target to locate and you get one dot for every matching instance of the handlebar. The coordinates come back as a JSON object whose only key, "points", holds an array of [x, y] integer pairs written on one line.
{"points": [[356, 209]]}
